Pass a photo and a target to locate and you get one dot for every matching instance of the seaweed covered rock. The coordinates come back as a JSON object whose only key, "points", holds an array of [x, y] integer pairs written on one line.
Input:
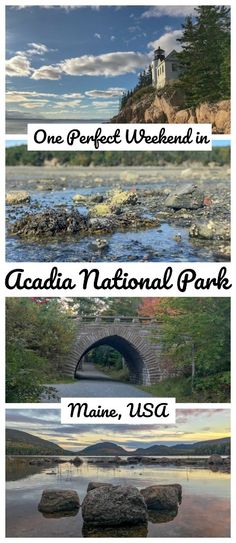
{"points": [[211, 230], [123, 197], [17, 197], [79, 198], [49, 223]]}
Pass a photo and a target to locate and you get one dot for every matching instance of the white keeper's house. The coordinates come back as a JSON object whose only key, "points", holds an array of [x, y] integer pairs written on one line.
{"points": [[165, 69]]}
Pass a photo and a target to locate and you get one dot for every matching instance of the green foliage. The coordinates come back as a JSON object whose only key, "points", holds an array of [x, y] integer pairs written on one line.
{"points": [[202, 323], [24, 375], [144, 84], [215, 388], [196, 338], [176, 387], [19, 156], [116, 374], [38, 337], [122, 307], [205, 56], [105, 357], [144, 91]]}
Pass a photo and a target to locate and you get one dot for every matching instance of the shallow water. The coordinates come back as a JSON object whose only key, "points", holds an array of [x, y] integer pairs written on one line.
{"points": [[204, 512], [153, 245]]}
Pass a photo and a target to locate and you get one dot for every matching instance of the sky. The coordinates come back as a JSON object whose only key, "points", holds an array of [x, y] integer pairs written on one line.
{"points": [[192, 425], [74, 62]]}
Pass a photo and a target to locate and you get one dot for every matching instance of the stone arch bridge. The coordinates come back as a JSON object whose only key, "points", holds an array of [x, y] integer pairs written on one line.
{"points": [[136, 338]]}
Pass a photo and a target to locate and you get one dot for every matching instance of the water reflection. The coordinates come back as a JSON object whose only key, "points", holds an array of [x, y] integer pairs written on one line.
{"points": [[115, 531], [60, 514], [204, 512], [157, 517]]}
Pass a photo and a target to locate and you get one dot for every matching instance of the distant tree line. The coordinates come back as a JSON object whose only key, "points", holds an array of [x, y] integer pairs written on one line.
{"points": [[19, 156]]}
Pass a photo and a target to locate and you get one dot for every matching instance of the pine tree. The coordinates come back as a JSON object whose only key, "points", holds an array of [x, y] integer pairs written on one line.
{"points": [[205, 55]]}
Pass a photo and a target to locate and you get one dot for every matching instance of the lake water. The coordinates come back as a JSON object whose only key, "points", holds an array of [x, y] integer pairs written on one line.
{"points": [[153, 244], [204, 512]]}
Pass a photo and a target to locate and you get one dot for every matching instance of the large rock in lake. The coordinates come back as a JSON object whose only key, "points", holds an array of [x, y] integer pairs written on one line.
{"points": [[77, 461], [92, 485], [114, 506], [215, 459], [162, 497], [53, 501], [187, 197]]}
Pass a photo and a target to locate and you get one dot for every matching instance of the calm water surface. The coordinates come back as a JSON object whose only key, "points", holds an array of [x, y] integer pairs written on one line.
{"points": [[204, 512]]}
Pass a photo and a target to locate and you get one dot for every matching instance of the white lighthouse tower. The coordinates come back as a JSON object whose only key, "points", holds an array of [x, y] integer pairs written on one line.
{"points": [[159, 56]]}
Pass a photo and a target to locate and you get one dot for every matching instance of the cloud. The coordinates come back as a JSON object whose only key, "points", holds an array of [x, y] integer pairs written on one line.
{"points": [[72, 103], [38, 49], [108, 93], [96, 35], [18, 66], [65, 8], [112, 38], [167, 41], [108, 65], [47, 72], [18, 96], [34, 104], [72, 95], [105, 104], [169, 11]]}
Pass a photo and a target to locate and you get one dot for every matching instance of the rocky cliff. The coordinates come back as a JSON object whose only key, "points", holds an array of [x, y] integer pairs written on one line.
{"points": [[168, 107]]}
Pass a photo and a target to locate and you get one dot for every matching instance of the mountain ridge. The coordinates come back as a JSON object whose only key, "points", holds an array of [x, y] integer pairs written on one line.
{"points": [[19, 442]]}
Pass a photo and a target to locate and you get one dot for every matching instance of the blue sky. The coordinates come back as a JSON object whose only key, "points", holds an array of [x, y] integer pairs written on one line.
{"points": [[192, 425], [74, 62]]}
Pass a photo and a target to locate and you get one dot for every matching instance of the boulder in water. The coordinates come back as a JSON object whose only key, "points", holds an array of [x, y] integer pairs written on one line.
{"points": [[53, 501], [162, 497], [114, 506]]}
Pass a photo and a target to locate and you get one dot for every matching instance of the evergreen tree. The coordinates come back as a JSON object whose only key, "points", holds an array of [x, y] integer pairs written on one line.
{"points": [[205, 55]]}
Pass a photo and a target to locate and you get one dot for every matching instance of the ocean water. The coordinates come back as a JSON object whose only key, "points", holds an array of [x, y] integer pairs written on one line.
{"points": [[19, 126]]}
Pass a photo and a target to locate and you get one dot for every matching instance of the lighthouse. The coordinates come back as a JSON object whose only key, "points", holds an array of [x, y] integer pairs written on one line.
{"points": [[165, 69], [159, 56]]}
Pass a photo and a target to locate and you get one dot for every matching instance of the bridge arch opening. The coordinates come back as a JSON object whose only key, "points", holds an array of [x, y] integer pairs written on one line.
{"points": [[138, 372]]}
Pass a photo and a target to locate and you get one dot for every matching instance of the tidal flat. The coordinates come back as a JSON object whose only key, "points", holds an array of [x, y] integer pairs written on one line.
{"points": [[204, 511], [144, 228]]}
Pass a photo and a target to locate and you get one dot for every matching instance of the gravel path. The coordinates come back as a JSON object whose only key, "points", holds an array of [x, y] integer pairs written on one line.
{"points": [[92, 383]]}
